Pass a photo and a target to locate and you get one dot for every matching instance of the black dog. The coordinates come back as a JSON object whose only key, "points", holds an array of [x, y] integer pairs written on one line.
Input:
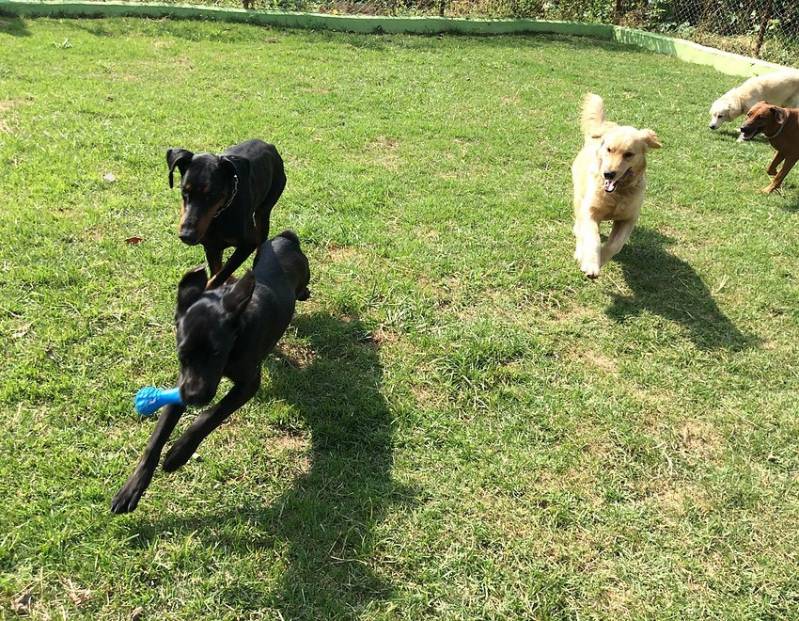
{"points": [[227, 200], [226, 331]]}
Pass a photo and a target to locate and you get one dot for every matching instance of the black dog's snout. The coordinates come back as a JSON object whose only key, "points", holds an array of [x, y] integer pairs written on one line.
{"points": [[609, 175], [196, 394], [188, 237]]}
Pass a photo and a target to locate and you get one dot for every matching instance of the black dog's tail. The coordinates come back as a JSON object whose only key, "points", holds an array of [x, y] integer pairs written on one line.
{"points": [[290, 235]]}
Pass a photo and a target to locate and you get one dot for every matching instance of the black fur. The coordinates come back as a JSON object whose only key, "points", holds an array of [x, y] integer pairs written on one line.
{"points": [[226, 331], [227, 200]]}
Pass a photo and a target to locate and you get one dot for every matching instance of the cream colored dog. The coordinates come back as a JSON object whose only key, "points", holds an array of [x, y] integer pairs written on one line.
{"points": [[609, 183], [780, 88]]}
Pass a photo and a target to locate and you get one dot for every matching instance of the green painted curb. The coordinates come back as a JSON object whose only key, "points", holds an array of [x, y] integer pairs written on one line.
{"points": [[688, 51], [725, 62]]}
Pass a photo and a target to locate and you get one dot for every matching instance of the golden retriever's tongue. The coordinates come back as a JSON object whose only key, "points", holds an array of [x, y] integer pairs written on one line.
{"points": [[610, 185]]}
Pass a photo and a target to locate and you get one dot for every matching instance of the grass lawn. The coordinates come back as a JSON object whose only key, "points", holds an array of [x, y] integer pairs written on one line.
{"points": [[458, 424]]}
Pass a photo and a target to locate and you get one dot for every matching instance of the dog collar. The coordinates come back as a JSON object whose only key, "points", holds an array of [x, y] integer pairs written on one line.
{"points": [[232, 196], [777, 133]]}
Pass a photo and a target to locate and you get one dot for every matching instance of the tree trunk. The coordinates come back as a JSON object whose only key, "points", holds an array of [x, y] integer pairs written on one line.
{"points": [[761, 34], [618, 10]]}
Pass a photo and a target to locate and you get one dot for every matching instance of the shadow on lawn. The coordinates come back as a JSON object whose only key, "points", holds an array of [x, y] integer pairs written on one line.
{"points": [[327, 517], [13, 26], [668, 286], [791, 193]]}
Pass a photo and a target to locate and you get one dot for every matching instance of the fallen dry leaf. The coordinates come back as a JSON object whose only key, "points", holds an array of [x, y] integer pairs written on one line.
{"points": [[77, 595], [22, 603], [137, 614], [22, 331], [134, 240]]}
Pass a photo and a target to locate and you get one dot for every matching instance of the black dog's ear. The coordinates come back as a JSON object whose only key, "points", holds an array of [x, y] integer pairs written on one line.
{"points": [[291, 236], [228, 166], [779, 115], [238, 297], [179, 158], [191, 287]]}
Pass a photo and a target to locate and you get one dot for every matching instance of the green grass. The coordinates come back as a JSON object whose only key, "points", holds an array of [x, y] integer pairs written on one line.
{"points": [[458, 424]]}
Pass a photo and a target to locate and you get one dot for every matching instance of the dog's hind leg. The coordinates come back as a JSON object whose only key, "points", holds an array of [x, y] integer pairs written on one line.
{"points": [[616, 240], [275, 192], [209, 420], [238, 257], [131, 492]]}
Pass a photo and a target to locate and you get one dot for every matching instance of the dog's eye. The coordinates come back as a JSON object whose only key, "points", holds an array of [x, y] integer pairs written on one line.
{"points": [[609, 149], [628, 155]]}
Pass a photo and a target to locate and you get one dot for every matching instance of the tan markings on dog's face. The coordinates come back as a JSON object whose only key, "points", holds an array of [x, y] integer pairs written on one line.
{"points": [[623, 153], [205, 220]]}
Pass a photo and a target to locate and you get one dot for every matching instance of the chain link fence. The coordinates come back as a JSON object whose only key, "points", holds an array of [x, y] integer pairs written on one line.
{"points": [[767, 29], [762, 28]]}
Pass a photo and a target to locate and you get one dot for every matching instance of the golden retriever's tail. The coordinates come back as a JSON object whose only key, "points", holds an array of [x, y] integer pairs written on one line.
{"points": [[593, 116]]}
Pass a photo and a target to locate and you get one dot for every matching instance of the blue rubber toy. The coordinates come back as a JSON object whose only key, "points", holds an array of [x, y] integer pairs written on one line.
{"points": [[151, 399]]}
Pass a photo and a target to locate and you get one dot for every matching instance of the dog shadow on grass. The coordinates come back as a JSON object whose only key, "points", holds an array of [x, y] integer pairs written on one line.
{"points": [[326, 519], [13, 26], [664, 284]]}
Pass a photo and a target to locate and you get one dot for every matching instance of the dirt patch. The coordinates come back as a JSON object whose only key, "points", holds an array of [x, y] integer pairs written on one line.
{"points": [[676, 500], [384, 152], [699, 438], [597, 360], [297, 355], [291, 443], [298, 447], [6, 107], [339, 253], [383, 336]]}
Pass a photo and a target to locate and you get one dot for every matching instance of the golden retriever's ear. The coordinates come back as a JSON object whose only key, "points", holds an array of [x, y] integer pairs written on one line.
{"points": [[650, 138]]}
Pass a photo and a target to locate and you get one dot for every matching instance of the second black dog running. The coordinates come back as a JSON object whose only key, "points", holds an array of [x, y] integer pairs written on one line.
{"points": [[226, 331]]}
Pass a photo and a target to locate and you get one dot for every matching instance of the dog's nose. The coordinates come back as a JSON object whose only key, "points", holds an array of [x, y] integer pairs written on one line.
{"points": [[712, 126], [188, 237], [195, 394], [609, 174]]}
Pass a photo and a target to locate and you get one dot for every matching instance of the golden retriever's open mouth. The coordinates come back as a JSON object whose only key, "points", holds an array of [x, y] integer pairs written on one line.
{"points": [[610, 185]]}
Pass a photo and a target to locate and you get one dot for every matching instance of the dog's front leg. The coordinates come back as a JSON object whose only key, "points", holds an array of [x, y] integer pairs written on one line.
{"points": [[588, 246], [616, 240], [207, 421], [129, 495], [213, 254], [772, 168], [777, 181], [238, 257]]}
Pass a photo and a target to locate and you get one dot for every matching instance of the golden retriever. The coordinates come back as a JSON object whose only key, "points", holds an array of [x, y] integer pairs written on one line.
{"points": [[780, 88], [609, 183]]}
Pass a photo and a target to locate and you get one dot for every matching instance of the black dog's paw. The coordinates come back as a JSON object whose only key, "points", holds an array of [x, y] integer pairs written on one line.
{"points": [[177, 456], [127, 498]]}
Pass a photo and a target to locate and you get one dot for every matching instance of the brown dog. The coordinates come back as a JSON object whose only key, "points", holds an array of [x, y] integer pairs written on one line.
{"points": [[781, 127]]}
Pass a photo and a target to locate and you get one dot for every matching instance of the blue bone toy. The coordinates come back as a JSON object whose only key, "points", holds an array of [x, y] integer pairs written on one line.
{"points": [[151, 399]]}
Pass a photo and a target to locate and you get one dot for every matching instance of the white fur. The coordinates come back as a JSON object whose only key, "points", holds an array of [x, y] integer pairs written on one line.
{"points": [[780, 88]]}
